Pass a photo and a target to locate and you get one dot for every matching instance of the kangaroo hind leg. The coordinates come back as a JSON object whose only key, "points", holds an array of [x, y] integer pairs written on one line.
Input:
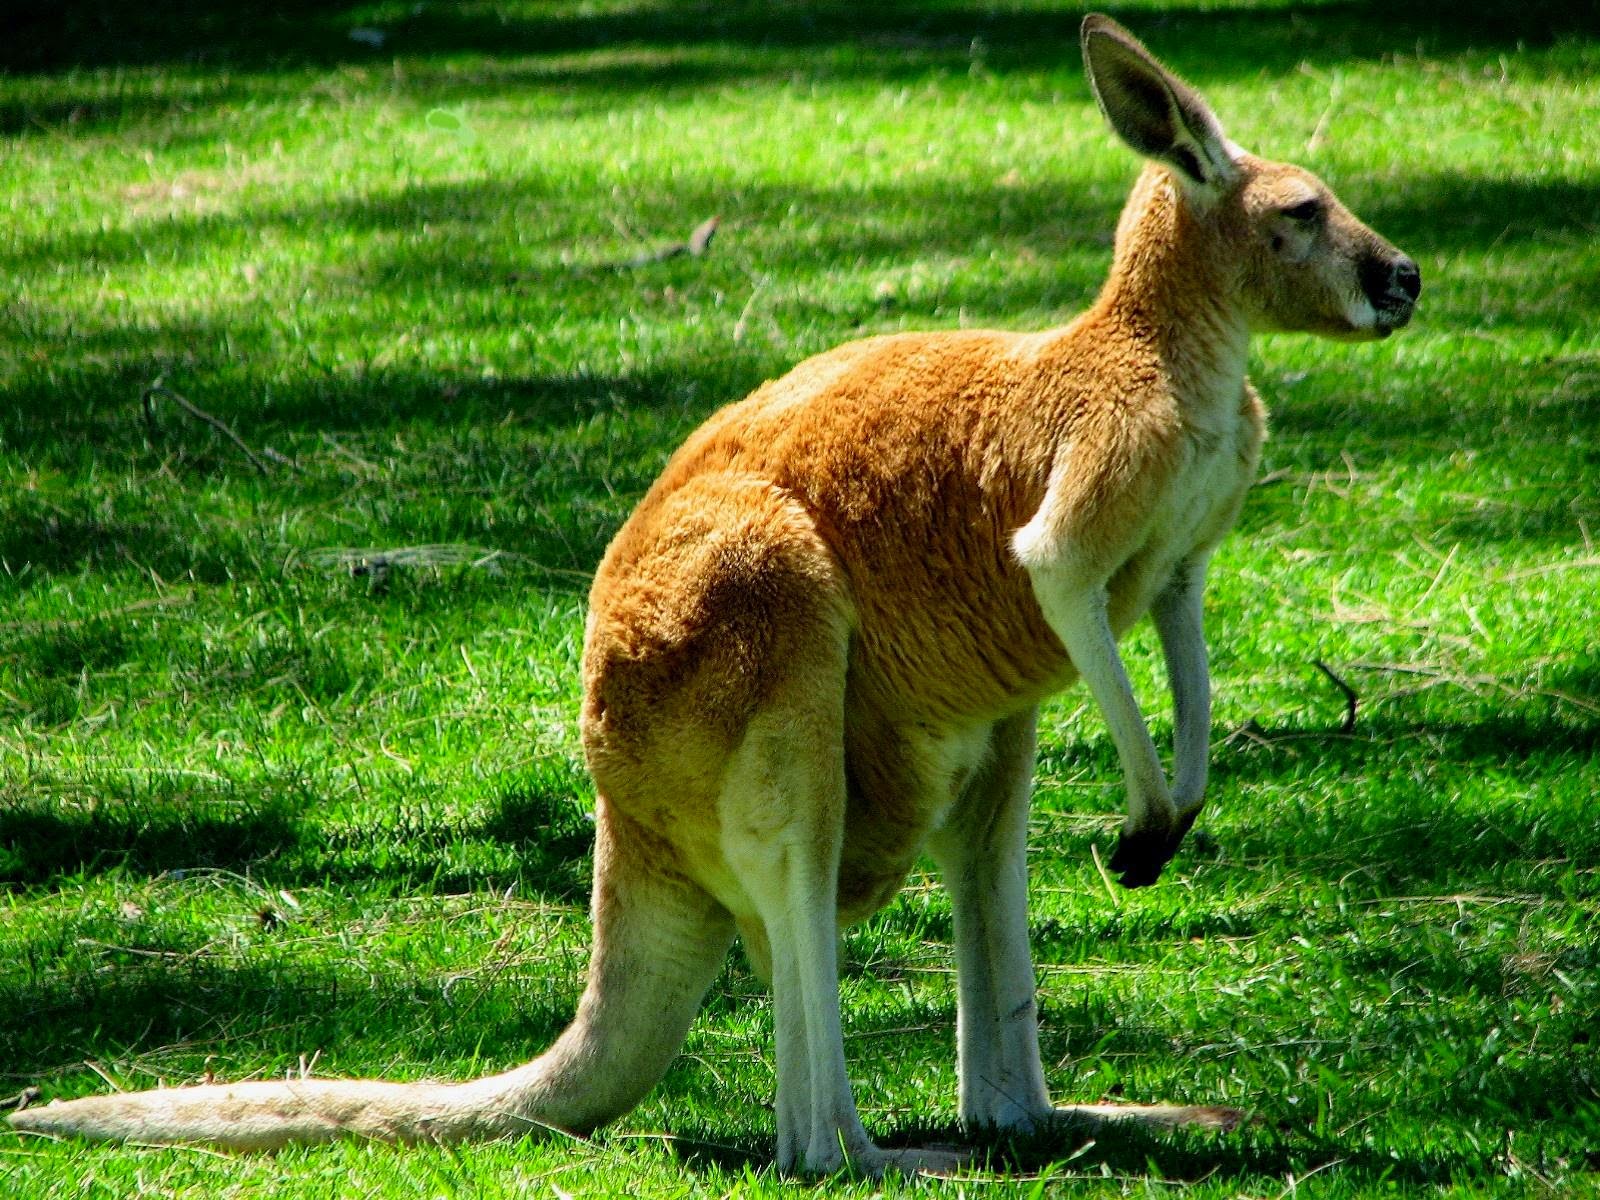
{"points": [[982, 854], [782, 808]]}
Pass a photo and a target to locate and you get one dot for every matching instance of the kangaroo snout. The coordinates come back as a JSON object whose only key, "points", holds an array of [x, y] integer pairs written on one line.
{"points": [[1392, 282]]}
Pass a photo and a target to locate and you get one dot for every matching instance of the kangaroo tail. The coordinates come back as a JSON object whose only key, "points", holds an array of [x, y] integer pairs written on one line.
{"points": [[658, 942], [266, 1116]]}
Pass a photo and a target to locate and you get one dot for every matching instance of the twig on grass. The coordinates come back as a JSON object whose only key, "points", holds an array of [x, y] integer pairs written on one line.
{"points": [[1294, 1181], [1254, 732], [1444, 566], [1350, 697], [21, 1100], [695, 245], [672, 1139], [1277, 476], [742, 324], [376, 563], [368, 560], [159, 388]]}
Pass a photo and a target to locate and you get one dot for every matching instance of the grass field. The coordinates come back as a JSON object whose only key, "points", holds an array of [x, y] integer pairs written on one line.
{"points": [[288, 769]]}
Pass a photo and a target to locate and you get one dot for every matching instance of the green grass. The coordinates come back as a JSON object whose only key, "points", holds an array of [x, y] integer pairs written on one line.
{"points": [[263, 805]]}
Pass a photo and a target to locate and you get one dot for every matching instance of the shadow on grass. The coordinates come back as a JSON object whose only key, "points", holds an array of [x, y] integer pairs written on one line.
{"points": [[1411, 807], [100, 393], [70, 538], [465, 444], [46, 843], [1422, 819], [879, 37], [282, 1010], [1251, 1156], [446, 226], [87, 405], [429, 238], [536, 835], [531, 838], [173, 997], [1482, 211], [168, 993]]}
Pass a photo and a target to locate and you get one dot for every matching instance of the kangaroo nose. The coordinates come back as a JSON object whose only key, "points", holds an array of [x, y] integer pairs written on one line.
{"points": [[1407, 280], [1391, 281]]}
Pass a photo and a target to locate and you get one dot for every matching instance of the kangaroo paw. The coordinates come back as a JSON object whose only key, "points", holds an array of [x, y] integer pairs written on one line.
{"points": [[1142, 854]]}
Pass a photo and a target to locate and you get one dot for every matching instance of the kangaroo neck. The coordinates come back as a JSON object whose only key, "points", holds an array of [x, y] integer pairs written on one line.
{"points": [[1171, 293]]}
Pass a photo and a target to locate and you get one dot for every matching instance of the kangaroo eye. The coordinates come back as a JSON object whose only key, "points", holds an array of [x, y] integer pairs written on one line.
{"points": [[1306, 211]]}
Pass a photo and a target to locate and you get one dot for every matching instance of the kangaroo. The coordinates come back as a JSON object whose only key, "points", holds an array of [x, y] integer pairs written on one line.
{"points": [[817, 649]]}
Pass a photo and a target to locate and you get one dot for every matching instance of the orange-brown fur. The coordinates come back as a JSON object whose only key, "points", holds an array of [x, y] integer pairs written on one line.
{"points": [[905, 464]]}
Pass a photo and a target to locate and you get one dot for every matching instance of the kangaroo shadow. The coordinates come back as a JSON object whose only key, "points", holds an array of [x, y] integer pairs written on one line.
{"points": [[1251, 1155]]}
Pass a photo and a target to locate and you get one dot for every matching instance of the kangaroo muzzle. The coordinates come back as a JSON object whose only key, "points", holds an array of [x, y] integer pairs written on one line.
{"points": [[1392, 283]]}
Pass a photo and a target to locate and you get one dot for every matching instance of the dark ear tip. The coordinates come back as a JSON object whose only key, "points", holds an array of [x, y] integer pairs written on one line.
{"points": [[1094, 24], [1098, 26]]}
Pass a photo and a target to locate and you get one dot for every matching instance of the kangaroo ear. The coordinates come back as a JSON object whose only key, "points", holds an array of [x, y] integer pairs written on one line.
{"points": [[1153, 110]]}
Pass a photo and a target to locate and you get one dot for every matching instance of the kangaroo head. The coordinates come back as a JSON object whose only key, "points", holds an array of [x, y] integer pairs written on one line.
{"points": [[1291, 257]]}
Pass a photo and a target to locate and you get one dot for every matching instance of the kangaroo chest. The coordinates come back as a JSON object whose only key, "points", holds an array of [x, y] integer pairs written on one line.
{"points": [[1217, 464]]}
